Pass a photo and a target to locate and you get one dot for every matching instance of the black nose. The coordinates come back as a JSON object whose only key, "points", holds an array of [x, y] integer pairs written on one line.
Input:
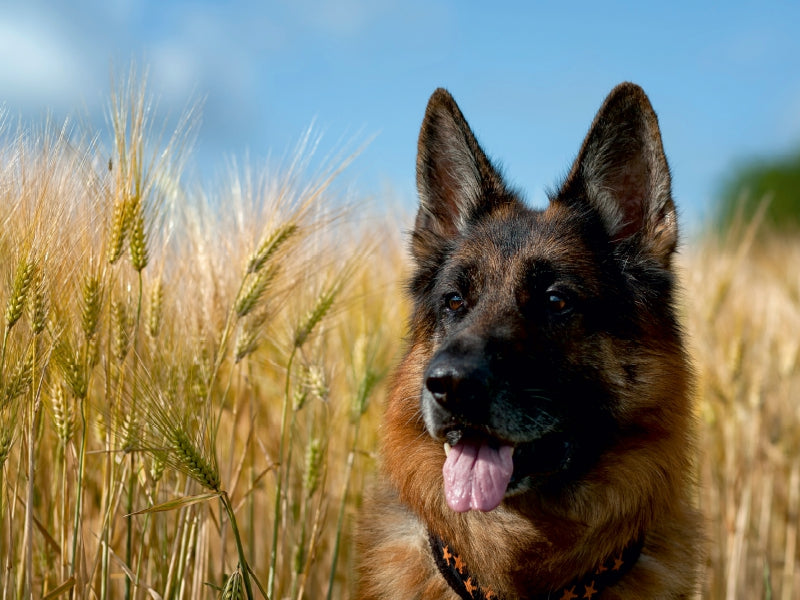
{"points": [[445, 383], [458, 376], [461, 386]]}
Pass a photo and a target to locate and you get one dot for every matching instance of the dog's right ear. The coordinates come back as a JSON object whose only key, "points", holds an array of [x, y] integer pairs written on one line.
{"points": [[456, 182]]}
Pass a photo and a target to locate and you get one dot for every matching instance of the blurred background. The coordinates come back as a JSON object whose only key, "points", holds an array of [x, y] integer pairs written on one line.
{"points": [[142, 283], [724, 79]]}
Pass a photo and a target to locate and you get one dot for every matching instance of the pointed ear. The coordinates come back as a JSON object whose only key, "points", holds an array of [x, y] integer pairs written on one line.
{"points": [[455, 180], [622, 172]]}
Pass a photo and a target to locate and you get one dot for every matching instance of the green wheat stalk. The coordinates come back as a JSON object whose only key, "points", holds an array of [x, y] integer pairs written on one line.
{"points": [[15, 305], [302, 332], [270, 246], [367, 379]]}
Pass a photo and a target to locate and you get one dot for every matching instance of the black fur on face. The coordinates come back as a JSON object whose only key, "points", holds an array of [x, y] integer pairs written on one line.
{"points": [[538, 318]]}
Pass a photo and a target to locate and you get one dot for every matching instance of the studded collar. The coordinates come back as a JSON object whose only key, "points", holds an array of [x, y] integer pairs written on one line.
{"points": [[589, 586]]}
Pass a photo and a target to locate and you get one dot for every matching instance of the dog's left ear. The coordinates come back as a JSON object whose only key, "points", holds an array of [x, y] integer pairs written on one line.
{"points": [[622, 172]]}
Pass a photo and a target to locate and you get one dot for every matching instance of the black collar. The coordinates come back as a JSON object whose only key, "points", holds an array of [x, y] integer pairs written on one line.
{"points": [[607, 573]]}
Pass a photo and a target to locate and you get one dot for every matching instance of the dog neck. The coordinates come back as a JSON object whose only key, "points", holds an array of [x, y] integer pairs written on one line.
{"points": [[606, 574]]}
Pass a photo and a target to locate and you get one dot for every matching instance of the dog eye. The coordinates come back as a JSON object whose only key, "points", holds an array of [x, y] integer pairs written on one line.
{"points": [[557, 303], [454, 302]]}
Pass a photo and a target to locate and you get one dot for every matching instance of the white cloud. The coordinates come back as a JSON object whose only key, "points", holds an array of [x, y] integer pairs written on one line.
{"points": [[343, 18], [176, 70], [39, 66]]}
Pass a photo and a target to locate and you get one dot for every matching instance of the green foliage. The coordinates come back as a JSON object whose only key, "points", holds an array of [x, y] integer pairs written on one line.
{"points": [[773, 183]]}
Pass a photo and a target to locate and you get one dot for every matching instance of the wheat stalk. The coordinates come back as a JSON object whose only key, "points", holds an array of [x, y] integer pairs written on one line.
{"points": [[63, 414], [19, 382], [316, 314], [191, 461], [270, 245], [253, 291], [155, 314], [120, 225], [19, 291], [138, 235], [73, 370], [6, 436], [249, 335], [234, 587], [120, 326], [92, 296], [38, 306]]}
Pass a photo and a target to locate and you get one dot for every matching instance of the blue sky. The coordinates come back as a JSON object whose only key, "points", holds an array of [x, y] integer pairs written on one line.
{"points": [[529, 76]]}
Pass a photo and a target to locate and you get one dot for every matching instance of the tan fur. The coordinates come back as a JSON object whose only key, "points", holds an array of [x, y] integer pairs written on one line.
{"points": [[557, 542], [642, 482]]}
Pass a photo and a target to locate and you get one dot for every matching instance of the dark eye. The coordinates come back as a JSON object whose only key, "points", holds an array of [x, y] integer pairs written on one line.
{"points": [[454, 302], [557, 303]]}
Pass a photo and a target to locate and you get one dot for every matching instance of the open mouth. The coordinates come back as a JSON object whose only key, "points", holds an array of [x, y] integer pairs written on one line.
{"points": [[479, 470]]}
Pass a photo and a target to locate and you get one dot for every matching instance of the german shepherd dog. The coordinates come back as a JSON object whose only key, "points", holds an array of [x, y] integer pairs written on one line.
{"points": [[538, 440]]}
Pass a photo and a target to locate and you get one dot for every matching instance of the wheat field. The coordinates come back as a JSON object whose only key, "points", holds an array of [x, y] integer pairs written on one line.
{"points": [[191, 379]]}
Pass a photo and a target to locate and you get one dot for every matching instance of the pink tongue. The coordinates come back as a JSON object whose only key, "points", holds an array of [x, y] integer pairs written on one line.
{"points": [[476, 476]]}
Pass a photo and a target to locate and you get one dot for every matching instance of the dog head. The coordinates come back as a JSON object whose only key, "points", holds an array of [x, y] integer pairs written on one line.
{"points": [[544, 330]]}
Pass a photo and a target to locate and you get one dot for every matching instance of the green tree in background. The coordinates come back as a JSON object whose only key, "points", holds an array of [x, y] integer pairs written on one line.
{"points": [[775, 181]]}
